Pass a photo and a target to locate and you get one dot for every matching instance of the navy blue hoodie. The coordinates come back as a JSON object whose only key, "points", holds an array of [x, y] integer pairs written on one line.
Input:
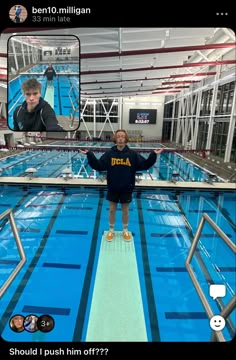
{"points": [[121, 166], [42, 118], [50, 73]]}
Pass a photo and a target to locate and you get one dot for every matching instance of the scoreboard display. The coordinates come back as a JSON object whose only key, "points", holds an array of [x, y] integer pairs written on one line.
{"points": [[142, 116]]}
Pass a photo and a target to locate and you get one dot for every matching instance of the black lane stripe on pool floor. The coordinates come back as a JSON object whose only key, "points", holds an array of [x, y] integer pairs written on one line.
{"points": [[186, 315], [29, 230], [41, 206], [152, 311], [9, 262], [227, 268], [62, 266], [29, 309], [72, 232], [183, 269], [180, 235], [78, 208], [171, 269], [79, 323], [163, 210]]}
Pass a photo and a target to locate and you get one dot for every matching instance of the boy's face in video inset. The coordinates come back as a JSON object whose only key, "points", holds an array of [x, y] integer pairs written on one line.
{"points": [[32, 93], [32, 98]]}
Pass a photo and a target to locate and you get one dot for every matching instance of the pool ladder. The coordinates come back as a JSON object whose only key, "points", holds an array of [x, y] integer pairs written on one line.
{"points": [[75, 106], [225, 310], [8, 214]]}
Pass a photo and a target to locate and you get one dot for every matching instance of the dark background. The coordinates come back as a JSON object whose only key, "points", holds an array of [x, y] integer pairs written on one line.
{"points": [[119, 14], [148, 114]]}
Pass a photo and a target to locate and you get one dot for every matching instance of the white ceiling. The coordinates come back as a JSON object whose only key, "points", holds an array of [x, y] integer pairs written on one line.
{"points": [[154, 56], [47, 40]]}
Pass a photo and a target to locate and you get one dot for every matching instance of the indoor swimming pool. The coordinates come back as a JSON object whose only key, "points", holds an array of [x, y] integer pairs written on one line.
{"points": [[59, 68], [53, 159], [64, 93], [119, 291]]}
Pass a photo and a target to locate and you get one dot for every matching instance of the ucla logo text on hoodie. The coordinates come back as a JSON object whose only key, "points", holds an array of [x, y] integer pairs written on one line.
{"points": [[117, 161]]}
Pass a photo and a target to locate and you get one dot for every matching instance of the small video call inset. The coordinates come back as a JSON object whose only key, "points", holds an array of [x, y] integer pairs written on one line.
{"points": [[43, 83], [18, 14], [31, 323]]}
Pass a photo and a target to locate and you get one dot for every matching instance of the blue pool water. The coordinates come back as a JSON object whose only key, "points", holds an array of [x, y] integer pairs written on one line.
{"points": [[61, 230], [51, 163], [62, 86], [59, 68]]}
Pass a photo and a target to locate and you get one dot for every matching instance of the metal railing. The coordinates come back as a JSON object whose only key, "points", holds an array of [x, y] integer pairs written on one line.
{"points": [[8, 213], [75, 105], [217, 336]]}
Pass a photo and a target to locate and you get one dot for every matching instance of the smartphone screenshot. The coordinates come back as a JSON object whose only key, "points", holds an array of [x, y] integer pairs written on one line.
{"points": [[117, 183]]}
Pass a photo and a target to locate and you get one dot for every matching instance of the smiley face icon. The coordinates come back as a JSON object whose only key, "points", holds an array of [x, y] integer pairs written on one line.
{"points": [[217, 323]]}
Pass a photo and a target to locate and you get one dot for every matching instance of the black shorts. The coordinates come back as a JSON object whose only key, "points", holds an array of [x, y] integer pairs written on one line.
{"points": [[117, 197]]}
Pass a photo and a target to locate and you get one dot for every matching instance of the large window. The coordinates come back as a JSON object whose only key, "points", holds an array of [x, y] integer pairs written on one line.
{"points": [[99, 110], [202, 135], [168, 109], [166, 130], [175, 129], [206, 103], [219, 138], [225, 98], [176, 109]]}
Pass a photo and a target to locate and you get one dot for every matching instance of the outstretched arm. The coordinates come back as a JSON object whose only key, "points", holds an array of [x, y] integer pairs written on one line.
{"points": [[145, 164], [96, 164]]}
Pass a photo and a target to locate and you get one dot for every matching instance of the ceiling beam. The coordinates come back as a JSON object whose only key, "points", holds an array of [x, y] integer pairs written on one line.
{"points": [[206, 63], [158, 50]]}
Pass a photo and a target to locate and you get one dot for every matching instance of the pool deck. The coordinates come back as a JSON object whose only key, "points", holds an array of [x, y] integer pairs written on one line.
{"points": [[7, 180], [211, 163]]}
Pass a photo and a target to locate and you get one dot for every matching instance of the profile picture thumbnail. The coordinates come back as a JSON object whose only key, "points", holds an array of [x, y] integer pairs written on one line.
{"points": [[30, 323], [17, 323], [18, 13]]}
